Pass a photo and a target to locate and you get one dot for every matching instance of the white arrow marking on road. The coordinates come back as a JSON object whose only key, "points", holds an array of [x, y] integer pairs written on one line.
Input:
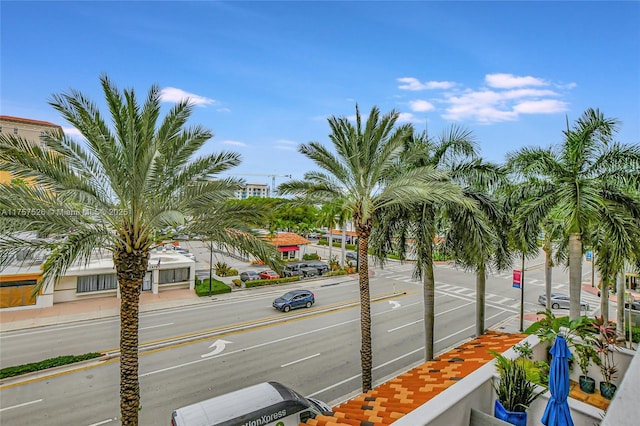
{"points": [[394, 304], [219, 347]]}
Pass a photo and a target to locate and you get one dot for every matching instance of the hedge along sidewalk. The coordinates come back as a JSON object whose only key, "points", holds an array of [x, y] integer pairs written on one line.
{"points": [[47, 364]]}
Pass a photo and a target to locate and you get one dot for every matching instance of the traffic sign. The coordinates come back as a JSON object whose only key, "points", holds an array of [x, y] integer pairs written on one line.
{"points": [[517, 278]]}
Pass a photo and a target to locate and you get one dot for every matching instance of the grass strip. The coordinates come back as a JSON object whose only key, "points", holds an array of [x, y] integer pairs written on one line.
{"points": [[47, 363]]}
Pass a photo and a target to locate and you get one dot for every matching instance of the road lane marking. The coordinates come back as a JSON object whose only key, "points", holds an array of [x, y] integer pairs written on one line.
{"points": [[104, 422], [156, 326], [299, 360], [20, 405], [437, 315]]}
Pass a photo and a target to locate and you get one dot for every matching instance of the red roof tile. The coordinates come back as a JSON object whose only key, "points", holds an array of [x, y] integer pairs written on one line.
{"points": [[286, 239], [27, 121], [388, 402]]}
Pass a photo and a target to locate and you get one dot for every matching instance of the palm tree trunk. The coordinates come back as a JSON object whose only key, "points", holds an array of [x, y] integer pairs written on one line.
{"points": [[344, 241], [604, 295], [429, 290], [548, 269], [330, 243], [366, 354], [131, 268], [481, 288], [620, 288], [575, 274]]}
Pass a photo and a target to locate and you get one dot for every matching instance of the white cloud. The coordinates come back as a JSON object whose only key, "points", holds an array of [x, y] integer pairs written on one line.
{"points": [[504, 98], [421, 105], [545, 106], [223, 109], [407, 117], [414, 84], [286, 145], [508, 81], [171, 94], [73, 132], [234, 143]]}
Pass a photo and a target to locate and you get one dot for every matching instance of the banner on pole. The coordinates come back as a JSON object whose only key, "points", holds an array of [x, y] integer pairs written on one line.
{"points": [[517, 276], [589, 255]]}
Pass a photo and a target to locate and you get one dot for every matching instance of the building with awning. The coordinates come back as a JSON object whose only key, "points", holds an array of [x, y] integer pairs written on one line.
{"points": [[290, 244]]}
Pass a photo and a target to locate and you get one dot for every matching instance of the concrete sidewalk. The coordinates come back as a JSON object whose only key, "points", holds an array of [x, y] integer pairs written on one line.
{"points": [[103, 307]]}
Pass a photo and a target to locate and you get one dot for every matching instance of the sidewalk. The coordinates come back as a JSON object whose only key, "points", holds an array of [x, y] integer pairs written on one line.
{"points": [[90, 309]]}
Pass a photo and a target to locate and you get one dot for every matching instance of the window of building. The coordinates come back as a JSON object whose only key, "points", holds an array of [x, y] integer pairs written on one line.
{"points": [[89, 283], [15, 130], [170, 276]]}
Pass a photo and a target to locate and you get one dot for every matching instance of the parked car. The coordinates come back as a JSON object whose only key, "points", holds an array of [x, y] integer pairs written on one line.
{"points": [[294, 299], [314, 235], [186, 253], [299, 269], [560, 300], [269, 275], [249, 276], [635, 305], [321, 266], [352, 256]]}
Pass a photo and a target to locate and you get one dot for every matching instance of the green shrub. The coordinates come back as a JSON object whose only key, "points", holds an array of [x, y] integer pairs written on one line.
{"points": [[224, 270], [334, 273], [310, 256], [47, 363], [259, 283], [237, 282], [217, 287], [635, 334]]}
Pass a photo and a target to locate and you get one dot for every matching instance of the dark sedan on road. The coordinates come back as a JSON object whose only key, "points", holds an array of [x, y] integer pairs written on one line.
{"points": [[560, 300], [294, 299]]}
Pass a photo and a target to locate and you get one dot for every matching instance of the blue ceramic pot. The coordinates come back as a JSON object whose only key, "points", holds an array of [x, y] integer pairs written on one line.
{"points": [[518, 418], [607, 390]]}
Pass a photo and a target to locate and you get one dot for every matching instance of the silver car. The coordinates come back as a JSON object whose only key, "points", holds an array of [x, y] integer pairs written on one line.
{"points": [[560, 301]]}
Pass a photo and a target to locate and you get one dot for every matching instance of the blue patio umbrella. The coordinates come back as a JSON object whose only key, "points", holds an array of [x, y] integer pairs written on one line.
{"points": [[557, 412]]}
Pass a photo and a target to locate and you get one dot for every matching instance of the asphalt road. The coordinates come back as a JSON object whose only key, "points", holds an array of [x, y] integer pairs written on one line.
{"points": [[316, 354]]}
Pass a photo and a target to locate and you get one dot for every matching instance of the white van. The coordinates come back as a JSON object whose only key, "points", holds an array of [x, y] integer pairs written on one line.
{"points": [[265, 404]]}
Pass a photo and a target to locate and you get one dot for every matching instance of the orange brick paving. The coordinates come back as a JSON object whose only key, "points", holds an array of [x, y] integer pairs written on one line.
{"points": [[401, 395], [594, 399]]}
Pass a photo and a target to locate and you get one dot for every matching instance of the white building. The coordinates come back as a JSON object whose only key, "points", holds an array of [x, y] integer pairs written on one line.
{"points": [[253, 190], [167, 270]]}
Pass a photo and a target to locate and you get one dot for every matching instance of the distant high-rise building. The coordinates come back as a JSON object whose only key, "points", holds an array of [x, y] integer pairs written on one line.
{"points": [[31, 130]]}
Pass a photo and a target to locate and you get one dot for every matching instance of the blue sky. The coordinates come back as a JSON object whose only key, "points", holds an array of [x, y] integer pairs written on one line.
{"points": [[266, 75]]}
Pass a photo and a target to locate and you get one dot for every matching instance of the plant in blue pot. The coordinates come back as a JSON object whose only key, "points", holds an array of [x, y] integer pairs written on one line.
{"points": [[516, 388]]}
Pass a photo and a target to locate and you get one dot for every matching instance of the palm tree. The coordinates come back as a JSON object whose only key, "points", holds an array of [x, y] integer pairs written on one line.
{"points": [[417, 221], [577, 183], [477, 237], [358, 174], [134, 174]]}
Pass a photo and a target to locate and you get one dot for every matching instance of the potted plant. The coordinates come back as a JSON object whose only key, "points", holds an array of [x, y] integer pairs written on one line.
{"points": [[586, 354], [516, 388], [605, 346]]}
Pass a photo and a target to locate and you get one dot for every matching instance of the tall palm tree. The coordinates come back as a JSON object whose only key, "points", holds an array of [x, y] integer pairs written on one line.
{"points": [[134, 174], [477, 236], [359, 174], [413, 227], [577, 182]]}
